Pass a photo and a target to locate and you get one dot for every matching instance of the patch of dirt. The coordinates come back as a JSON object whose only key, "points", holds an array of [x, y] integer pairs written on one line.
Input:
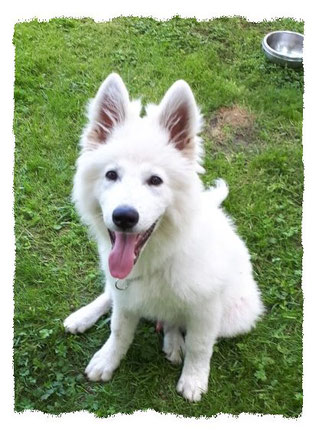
{"points": [[231, 128]]}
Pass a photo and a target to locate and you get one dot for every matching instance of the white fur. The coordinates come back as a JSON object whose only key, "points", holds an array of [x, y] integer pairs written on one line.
{"points": [[194, 273]]}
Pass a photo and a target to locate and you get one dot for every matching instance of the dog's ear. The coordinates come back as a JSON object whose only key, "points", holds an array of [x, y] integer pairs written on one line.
{"points": [[107, 110], [179, 114]]}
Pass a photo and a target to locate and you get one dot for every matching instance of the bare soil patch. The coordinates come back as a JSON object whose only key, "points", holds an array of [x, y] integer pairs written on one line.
{"points": [[231, 128]]}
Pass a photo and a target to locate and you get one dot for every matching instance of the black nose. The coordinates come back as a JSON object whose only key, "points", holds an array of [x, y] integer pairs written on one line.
{"points": [[125, 217]]}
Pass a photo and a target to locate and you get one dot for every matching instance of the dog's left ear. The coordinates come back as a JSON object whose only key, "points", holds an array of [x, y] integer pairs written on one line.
{"points": [[179, 114]]}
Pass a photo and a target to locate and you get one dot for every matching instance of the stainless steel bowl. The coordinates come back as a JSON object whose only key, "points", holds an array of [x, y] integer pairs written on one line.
{"points": [[284, 47]]}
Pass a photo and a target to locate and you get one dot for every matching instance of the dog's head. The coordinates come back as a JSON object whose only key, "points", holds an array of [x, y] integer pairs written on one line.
{"points": [[134, 170]]}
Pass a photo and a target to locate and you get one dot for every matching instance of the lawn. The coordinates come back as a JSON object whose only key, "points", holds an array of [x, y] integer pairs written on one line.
{"points": [[253, 139]]}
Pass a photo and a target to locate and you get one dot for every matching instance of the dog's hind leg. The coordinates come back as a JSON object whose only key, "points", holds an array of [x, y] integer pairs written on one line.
{"points": [[85, 317], [242, 308], [173, 344]]}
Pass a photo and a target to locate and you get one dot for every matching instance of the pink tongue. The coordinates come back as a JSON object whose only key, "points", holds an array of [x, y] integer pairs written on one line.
{"points": [[121, 259]]}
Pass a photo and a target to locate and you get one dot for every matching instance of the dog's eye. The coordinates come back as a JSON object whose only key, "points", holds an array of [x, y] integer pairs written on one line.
{"points": [[111, 175], [154, 180]]}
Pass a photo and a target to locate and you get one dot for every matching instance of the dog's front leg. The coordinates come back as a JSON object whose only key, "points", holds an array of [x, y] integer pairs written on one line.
{"points": [[108, 358], [200, 338], [85, 317]]}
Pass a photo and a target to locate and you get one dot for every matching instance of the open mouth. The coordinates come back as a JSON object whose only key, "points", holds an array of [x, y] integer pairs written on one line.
{"points": [[126, 248]]}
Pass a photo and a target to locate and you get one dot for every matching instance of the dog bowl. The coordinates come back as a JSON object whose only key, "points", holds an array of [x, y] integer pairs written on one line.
{"points": [[284, 47]]}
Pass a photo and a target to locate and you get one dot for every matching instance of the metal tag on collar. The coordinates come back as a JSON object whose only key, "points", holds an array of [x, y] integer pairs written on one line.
{"points": [[122, 284]]}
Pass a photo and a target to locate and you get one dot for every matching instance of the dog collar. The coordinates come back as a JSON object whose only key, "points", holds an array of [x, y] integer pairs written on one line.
{"points": [[123, 284]]}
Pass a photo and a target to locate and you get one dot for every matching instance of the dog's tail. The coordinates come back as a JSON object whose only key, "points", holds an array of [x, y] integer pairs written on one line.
{"points": [[219, 192]]}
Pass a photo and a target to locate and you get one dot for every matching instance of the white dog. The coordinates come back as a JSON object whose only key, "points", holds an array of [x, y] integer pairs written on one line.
{"points": [[169, 252]]}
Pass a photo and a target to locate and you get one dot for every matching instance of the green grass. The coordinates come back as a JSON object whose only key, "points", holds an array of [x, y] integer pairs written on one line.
{"points": [[59, 66]]}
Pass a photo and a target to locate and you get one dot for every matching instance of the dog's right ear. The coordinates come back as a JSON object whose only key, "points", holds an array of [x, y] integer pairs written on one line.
{"points": [[107, 110]]}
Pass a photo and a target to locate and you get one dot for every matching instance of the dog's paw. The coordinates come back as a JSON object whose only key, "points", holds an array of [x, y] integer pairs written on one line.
{"points": [[191, 388], [173, 346], [175, 356], [99, 368], [79, 321]]}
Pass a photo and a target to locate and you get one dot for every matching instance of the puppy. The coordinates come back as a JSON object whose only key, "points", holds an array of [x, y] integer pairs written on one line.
{"points": [[169, 252]]}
